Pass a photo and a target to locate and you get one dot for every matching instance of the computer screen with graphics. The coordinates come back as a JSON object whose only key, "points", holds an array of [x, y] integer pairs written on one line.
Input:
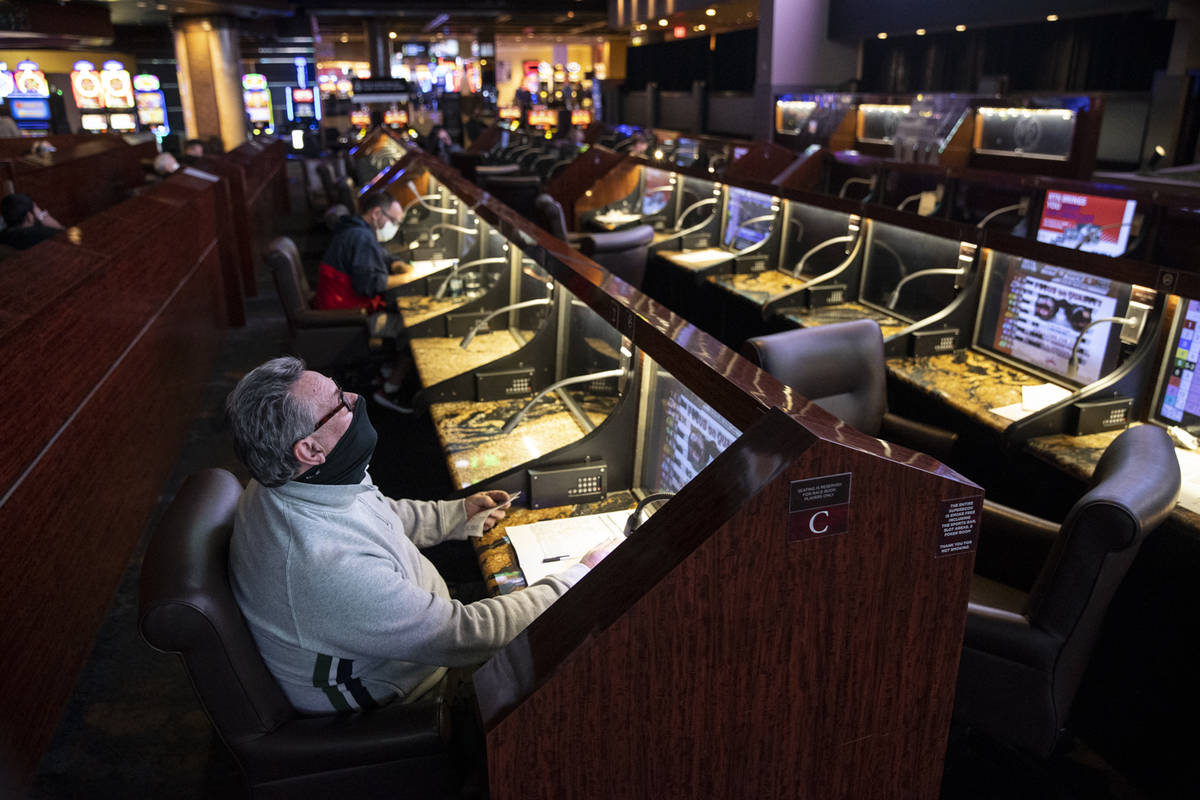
{"points": [[742, 208], [1087, 222], [1035, 314]]}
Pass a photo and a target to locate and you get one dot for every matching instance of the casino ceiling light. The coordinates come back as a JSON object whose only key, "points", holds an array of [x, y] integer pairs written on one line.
{"points": [[960, 28], [391, 34], [710, 12], [881, 35], [662, 23], [920, 31], [1052, 18]]}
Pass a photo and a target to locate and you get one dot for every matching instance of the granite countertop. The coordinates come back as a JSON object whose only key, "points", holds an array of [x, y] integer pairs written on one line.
{"points": [[757, 287], [844, 313], [437, 359], [1074, 455], [498, 559], [968, 381], [470, 432], [418, 308]]}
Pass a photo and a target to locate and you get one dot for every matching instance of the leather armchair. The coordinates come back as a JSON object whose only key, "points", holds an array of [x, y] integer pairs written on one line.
{"points": [[187, 607], [323, 338], [623, 252], [515, 191], [841, 368], [1041, 591]]}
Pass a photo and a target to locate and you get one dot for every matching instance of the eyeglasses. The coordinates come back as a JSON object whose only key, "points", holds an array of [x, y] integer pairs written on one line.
{"points": [[1078, 316], [341, 404]]}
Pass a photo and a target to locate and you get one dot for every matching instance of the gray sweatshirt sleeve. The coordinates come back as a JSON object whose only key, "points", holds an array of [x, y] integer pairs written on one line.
{"points": [[375, 610], [428, 523]]}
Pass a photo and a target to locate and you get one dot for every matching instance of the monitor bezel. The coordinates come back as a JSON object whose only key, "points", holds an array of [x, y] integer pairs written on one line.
{"points": [[1154, 414]]}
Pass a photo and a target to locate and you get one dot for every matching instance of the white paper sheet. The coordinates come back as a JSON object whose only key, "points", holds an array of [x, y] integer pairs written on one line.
{"points": [[698, 258], [1033, 398], [441, 263], [572, 537], [1189, 468]]}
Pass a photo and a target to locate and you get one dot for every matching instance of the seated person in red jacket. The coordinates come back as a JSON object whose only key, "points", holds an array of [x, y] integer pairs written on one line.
{"points": [[356, 272], [25, 224]]}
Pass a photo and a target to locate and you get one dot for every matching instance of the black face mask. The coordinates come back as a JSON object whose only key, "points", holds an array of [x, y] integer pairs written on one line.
{"points": [[347, 462]]}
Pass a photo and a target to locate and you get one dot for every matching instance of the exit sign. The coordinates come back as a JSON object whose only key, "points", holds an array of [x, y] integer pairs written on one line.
{"points": [[680, 31]]}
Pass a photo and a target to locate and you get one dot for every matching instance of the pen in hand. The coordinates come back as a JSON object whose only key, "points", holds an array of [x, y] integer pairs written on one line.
{"points": [[554, 558]]}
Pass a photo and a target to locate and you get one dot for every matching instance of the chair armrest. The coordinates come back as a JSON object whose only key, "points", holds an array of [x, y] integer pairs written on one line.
{"points": [[396, 732], [1002, 633], [330, 318], [937, 442], [1013, 545]]}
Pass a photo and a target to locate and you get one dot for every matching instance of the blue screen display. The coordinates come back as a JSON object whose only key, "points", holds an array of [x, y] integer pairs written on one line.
{"points": [[745, 205]]}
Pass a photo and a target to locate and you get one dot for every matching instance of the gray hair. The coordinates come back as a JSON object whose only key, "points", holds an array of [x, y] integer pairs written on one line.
{"points": [[268, 419]]}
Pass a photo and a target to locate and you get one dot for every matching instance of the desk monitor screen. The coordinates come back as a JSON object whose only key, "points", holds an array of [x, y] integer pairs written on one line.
{"points": [[1033, 314], [1087, 222], [687, 152], [1177, 398], [681, 434], [657, 191], [743, 206]]}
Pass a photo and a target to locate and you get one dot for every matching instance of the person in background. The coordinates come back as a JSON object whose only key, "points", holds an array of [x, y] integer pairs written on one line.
{"points": [[192, 150], [8, 128], [357, 271], [440, 144], [347, 612], [25, 224], [165, 164]]}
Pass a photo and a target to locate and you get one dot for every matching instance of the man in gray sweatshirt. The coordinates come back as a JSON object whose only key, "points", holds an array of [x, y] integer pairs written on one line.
{"points": [[345, 610]]}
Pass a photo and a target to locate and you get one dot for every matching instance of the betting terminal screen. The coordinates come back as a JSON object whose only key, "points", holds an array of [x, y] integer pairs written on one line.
{"points": [[744, 206], [1177, 398], [1087, 222], [682, 436], [1035, 313], [657, 191]]}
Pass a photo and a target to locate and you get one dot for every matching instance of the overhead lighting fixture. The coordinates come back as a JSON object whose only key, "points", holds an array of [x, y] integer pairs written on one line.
{"points": [[662, 23], [960, 28], [920, 31], [701, 27], [391, 34], [710, 12], [1052, 18], [345, 38], [881, 35], [570, 15]]}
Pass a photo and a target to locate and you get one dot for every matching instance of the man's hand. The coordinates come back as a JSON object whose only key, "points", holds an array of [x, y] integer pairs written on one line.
{"points": [[594, 556], [482, 501], [399, 267]]}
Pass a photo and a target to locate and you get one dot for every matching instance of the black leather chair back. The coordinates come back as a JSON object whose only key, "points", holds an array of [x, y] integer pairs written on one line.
{"points": [[1024, 655], [1134, 488], [623, 252], [548, 213], [840, 367], [518, 192], [295, 292], [186, 606]]}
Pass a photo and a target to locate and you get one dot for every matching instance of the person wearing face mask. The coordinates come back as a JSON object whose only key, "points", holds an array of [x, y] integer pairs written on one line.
{"points": [[356, 272], [346, 611]]}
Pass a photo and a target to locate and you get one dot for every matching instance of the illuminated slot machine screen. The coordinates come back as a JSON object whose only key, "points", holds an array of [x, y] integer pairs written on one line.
{"points": [[682, 434], [1087, 222], [543, 117], [657, 192], [96, 123], [122, 122], [744, 205], [360, 119], [30, 109], [303, 103], [510, 112], [151, 106], [1177, 395], [256, 98], [395, 118], [581, 116], [1035, 314]]}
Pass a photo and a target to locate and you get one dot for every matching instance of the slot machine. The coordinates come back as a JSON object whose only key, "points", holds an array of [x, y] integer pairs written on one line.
{"points": [[30, 100], [256, 98], [117, 86], [545, 120], [360, 120], [151, 105], [396, 118], [303, 111]]}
